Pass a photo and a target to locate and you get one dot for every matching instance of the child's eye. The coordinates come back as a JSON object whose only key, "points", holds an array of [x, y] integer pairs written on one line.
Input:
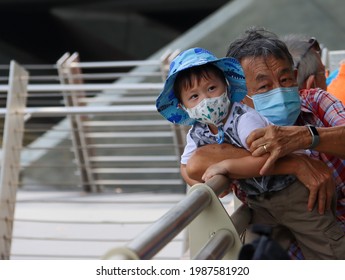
{"points": [[211, 88], [193, 97]]}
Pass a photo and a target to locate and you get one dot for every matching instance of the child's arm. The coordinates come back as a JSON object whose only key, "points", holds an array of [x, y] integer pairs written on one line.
{"points": [[245, 167], [186, 178], [210, 154]]}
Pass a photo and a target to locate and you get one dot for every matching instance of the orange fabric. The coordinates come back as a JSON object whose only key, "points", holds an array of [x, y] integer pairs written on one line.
{"points": [[337, 86]]}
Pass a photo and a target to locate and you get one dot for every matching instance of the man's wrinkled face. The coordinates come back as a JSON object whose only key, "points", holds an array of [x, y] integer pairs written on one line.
{"points": [[264, 74]]}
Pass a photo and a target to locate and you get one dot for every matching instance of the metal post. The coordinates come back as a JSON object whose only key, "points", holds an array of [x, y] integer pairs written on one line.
{"points": [[172, 223], [79, 140], [10, 162], [212, 219], [217, 246], [202, 198]]}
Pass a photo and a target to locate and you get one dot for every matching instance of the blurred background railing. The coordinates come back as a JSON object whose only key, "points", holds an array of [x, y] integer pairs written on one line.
{"points": [[101, 137]]}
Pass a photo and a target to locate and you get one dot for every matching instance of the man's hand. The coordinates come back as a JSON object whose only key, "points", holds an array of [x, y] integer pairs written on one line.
{"points": [[278, 141], [317, 177]]}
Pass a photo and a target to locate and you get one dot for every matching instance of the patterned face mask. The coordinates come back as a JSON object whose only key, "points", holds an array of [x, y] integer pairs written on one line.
{"points": [[212, 111]]}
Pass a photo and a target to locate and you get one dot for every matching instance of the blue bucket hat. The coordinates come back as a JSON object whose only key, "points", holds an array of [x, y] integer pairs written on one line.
{"points": [[167, 102]]}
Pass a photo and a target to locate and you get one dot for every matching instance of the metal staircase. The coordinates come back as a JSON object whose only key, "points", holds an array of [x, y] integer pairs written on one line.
{"points": [[126, 149], [107, 138]]}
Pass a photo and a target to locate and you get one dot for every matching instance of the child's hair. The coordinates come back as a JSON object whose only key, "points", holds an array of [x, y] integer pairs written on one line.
{"points": [[185, 79]]}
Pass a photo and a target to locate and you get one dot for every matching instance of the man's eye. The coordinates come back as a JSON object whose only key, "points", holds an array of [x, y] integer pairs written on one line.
{"points": [[262, 87], [287, 81]]}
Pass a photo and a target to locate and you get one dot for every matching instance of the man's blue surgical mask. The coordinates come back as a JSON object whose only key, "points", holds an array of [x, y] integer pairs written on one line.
{"points": [[281, 106]]}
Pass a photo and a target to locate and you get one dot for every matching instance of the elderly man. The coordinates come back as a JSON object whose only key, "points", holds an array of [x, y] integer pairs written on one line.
{"points": [[319, 109]]}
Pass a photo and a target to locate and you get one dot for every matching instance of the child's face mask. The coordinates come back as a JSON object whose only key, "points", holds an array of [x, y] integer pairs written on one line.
{"points": [[211, 110]]}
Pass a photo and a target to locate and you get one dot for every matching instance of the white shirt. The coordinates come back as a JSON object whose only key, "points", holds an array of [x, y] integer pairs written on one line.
{"points": [[241, 121]]}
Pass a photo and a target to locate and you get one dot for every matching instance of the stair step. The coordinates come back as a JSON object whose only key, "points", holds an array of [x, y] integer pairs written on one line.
{"points": [[135, 170], [133, 158], [140, 182], [147, 134]]}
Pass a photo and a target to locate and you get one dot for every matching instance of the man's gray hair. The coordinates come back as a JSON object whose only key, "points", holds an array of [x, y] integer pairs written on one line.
{"points": [[259, 42]]}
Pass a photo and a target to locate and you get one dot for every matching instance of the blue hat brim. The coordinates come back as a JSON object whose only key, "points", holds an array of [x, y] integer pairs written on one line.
{"points": [[168, 105]]}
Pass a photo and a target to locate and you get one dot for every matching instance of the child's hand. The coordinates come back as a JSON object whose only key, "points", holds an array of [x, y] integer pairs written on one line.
{"points": [[215, 169]]}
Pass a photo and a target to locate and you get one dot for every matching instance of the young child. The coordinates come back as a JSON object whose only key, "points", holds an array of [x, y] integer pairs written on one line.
{"points": [[204, 91]]}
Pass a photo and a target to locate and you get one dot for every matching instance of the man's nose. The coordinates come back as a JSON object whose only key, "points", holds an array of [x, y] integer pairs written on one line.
{"points": [[276, 84]]}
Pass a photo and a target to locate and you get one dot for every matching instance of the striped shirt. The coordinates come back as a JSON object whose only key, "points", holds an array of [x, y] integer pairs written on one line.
{"points": [[321, 109]]}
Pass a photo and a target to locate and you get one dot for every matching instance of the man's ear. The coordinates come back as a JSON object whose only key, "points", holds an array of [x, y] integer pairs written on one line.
{"points": [[310, 82], [295, 72]]}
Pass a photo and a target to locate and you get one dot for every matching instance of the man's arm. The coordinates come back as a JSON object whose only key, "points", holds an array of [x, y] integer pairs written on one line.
{"points": [[314, 174], [332, 141], [283, 140]]}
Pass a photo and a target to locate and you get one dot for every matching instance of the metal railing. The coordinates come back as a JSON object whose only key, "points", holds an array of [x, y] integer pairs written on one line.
{"points": [[213, 234], [106, 112], [215, 238], [11, 144], [104, 121]]}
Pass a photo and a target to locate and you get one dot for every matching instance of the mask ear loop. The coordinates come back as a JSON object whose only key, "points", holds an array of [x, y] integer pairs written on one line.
{"points": [[228, 88], [220, 136]]}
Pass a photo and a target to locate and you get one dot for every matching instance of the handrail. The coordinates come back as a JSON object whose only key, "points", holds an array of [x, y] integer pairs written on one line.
{"points": [[81, 87], [129, 63], [80, 110], [94, 64], [155, 237], [160, 233], [217, 246]]}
